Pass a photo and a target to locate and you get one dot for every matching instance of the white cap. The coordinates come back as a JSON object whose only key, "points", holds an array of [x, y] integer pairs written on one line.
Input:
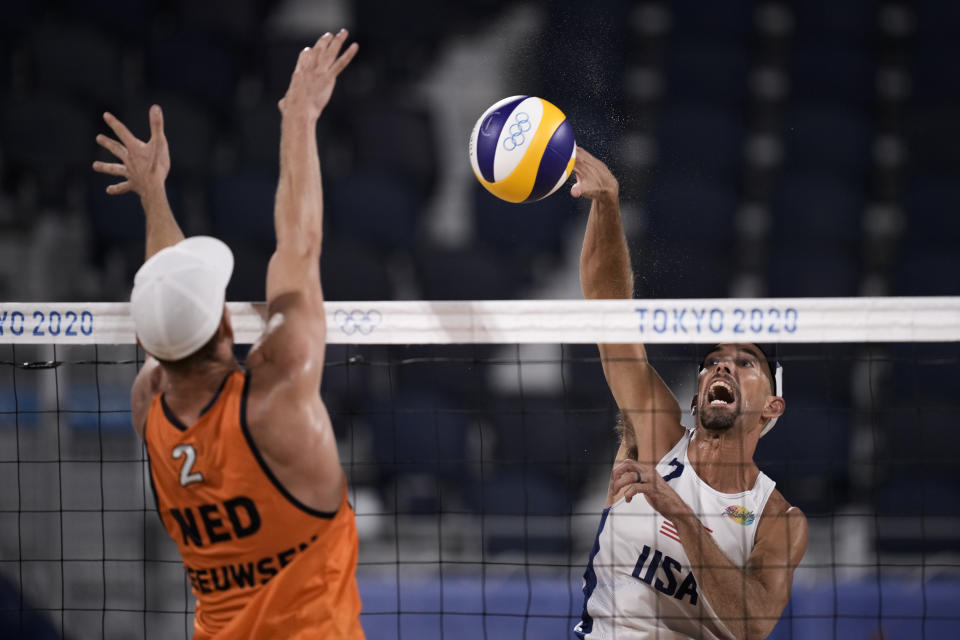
{"points": [[178, 296]]}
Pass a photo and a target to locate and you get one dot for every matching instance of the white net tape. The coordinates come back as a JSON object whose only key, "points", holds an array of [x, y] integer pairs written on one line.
{"points": [[793, 320]]}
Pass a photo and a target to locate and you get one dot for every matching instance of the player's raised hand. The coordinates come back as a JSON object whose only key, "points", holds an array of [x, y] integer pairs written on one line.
{"points": [[312, 82], [594, 179], [143, 165]]}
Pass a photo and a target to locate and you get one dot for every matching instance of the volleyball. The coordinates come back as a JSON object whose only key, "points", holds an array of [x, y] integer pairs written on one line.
{"points": [[522, 149]]}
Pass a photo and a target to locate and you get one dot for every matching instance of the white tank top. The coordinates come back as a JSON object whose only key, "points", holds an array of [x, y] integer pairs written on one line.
{"points": [[638, 582]]}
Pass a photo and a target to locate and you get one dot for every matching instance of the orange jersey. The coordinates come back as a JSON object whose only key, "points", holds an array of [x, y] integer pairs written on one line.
{"points": [[262, 564]]}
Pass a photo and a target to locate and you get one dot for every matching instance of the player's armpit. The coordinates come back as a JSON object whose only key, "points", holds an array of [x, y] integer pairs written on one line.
{"points": [[647, 404]]}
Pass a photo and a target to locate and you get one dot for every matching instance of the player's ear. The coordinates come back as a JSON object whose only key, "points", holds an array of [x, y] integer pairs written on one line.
{"points": [[693, 405], [774, 407]]}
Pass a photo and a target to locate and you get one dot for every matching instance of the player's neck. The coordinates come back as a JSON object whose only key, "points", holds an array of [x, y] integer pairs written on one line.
{"points": [[724, 460], [199, 383]]}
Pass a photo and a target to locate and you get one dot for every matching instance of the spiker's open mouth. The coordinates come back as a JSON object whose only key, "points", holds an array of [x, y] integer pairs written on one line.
{"points": [[720, 393]]}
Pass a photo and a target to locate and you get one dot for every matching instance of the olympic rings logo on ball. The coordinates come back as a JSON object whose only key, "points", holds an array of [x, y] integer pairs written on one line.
{"points": [[357, 321], [520, 126]]}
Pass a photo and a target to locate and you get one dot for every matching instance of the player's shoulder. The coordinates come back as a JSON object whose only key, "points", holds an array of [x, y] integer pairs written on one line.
{"points": [[780, 516], [294, 334], [777, 505]]}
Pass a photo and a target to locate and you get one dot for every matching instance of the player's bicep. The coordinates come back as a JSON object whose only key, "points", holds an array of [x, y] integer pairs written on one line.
{"points": [[649, 408], [777, 553]]}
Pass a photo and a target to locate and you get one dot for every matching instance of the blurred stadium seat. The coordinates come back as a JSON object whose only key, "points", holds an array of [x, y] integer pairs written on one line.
{"points": [[196, 65], [375, 208], [419, 439], [470, 274], [241, 205], [47, 133], [828, 139], [529, 228], [354, 271], [839, 74], [91, 71], [930, 207], [852, 21], [704, 72], [817, 210], [796, 272], [808, 453], [927, 272]]}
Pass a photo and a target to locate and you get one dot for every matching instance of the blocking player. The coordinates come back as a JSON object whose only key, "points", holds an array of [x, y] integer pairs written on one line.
{"points": [[710, 548], [244, 462]]}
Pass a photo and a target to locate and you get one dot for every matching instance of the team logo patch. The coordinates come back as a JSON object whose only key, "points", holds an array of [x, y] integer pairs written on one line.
{"points": [[740, 515]]}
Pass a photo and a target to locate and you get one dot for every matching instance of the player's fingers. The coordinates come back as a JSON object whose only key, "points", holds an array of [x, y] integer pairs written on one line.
{"points": [[156, 122], [625, 480], [635, 474], [585, 171], [320, 48], [333, 48], [110, 168], [581, 163], [627, 464], [119, 128], [576, 190], [644, 488], [623, 473], [112, 146], [624, 466], [631, 465], [341, 63], [120, 188], [302, 59]]}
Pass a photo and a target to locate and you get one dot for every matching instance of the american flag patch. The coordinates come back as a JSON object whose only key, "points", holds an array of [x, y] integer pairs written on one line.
{"points": [[671, 532]]}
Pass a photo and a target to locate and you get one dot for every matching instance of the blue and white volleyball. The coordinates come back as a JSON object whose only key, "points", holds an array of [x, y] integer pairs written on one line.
{"points": [[522, 149]]}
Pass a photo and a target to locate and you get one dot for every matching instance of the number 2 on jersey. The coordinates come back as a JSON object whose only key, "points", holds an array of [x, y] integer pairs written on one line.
{"points": [[189, 454], [677, 470]]}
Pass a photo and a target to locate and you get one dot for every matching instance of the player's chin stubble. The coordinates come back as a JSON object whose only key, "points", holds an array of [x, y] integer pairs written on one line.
{"points": [[715, 420]]}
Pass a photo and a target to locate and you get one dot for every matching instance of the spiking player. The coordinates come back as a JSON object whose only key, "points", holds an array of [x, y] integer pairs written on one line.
{"points": [[244, 464], [710, 550]]}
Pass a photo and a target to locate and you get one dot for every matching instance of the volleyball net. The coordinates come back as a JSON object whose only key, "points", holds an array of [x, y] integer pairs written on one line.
{"points": [[478, 439]]}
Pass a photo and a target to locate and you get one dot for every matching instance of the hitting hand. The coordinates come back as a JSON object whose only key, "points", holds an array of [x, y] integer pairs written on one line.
{"points": [[594, 179]]}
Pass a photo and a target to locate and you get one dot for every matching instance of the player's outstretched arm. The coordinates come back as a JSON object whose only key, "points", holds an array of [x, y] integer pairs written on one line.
{"points": [[288, 420], [750, 599], [651, 413], [293, 275], [143, 168]]}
